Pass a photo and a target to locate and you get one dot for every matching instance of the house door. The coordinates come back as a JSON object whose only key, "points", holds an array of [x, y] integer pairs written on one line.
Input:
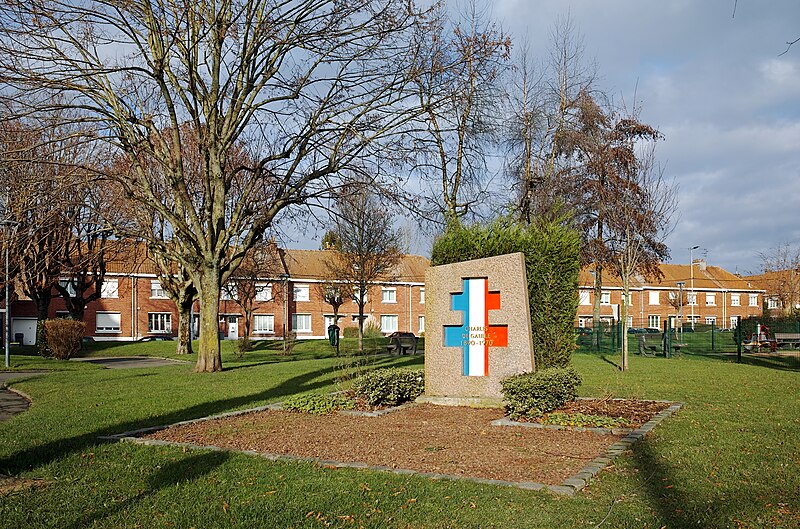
{"points": [[233, 327], [26, 327]]}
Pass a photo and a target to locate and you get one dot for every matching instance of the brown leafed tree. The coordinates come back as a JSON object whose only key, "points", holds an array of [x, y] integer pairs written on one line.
{"points": [[604, 161], [37, 162], [368, 249], [310, 85]]}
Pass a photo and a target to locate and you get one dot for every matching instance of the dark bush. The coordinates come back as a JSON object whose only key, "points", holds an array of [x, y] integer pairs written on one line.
{"points": [[349, 332], [552, 266], [242, 346], [389, 387], [534, 394], [64, 337], [317, 404]]}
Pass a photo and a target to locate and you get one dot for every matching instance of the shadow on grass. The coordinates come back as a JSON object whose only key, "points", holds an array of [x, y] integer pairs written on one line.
{"points": [[166, 475], [677, 504], [607, 360], [43, 454], [779, 361], [35, 456]]}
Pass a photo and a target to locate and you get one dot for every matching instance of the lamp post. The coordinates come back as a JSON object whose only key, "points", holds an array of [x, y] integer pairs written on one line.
{"points": [[680, 307], [691, 280], [6, 320]]}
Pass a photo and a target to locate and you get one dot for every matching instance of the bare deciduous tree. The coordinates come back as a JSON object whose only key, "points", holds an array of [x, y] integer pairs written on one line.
{"points": [[457, 81], [367, 245], [309, 85], [637, 227], [543, 105], [251, 282], [781, 275]]}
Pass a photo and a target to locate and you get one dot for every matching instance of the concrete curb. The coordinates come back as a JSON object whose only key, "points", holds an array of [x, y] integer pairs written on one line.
{"points": [[568, 487]]}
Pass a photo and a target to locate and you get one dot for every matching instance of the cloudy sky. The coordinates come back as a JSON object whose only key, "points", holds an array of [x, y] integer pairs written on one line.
{"points": [[716, 87]]}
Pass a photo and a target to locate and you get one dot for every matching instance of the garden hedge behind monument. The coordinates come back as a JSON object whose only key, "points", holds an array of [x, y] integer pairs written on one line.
{"points": [[552, 266]]}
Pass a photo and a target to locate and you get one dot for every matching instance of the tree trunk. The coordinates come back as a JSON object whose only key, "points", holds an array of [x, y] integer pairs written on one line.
{"points": [[42, 310], [624, 317], [208, 356], [185, 328], [597, 328], [361, 328]]}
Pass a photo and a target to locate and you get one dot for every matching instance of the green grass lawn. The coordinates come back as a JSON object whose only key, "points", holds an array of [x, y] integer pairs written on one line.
{"points": [[729, 458]]}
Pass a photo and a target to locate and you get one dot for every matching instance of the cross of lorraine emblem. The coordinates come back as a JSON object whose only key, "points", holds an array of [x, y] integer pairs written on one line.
{"points": [[475, 335]]}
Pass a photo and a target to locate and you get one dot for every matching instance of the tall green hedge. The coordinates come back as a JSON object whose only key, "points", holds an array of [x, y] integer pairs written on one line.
{"points": [[552, 265]]}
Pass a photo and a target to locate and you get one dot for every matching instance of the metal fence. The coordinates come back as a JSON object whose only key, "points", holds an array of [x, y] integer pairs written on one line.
{"points": [[699, 339]]}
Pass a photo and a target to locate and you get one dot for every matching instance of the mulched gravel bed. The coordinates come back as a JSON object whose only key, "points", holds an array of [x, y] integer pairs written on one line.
{"points": [[425, 438]]}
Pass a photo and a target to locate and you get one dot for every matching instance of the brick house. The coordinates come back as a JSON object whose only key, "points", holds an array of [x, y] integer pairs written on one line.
{"points": [[782, 290], [133, 304], [712, 296]]}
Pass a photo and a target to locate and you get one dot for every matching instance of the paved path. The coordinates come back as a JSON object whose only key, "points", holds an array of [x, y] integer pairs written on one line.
{"points": [[129, 362], [11, 402]]}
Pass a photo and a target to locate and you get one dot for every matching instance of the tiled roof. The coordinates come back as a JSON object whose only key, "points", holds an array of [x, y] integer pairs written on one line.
{"points": [[703, 276], [298, 264], [313, 264]]}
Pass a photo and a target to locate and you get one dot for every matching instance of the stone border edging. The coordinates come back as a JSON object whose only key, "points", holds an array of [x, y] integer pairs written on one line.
{"points": [[568, 487]]}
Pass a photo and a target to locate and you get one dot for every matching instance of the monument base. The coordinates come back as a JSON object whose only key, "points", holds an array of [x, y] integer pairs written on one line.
{"points": [[470, 402]]}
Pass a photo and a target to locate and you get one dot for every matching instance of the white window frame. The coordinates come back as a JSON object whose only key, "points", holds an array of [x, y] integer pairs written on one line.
{"points": [[355, 296], [228, 292], [159, 322], [112, 326], [733, 321], [259, 321], [585, 297], [69, 284], [772, 303], [388, 295], [301, 292], [156, 290], [711, 320], [711, 299], [654, 297], [263, 291], [583, 320], [422, 295], [736, 300], [753, 300], [654, 321], [389, 323], [691, 299], [605, 298], [110, 289], [421, 324], [296, 319]]}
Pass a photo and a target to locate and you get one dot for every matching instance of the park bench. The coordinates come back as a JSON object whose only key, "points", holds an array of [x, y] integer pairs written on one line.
{"points": [[402, 343], [788, 339], [676, 347], [646, 349]]}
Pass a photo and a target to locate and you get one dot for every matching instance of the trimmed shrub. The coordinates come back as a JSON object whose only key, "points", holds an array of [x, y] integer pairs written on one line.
{"points": [[534, 394], [389, 387], [64, 337], [349, 332], [552, 264], [318, 404]]}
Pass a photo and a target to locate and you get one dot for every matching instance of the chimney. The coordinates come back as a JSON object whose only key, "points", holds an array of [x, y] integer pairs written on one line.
{"points": [[700, 264]]}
